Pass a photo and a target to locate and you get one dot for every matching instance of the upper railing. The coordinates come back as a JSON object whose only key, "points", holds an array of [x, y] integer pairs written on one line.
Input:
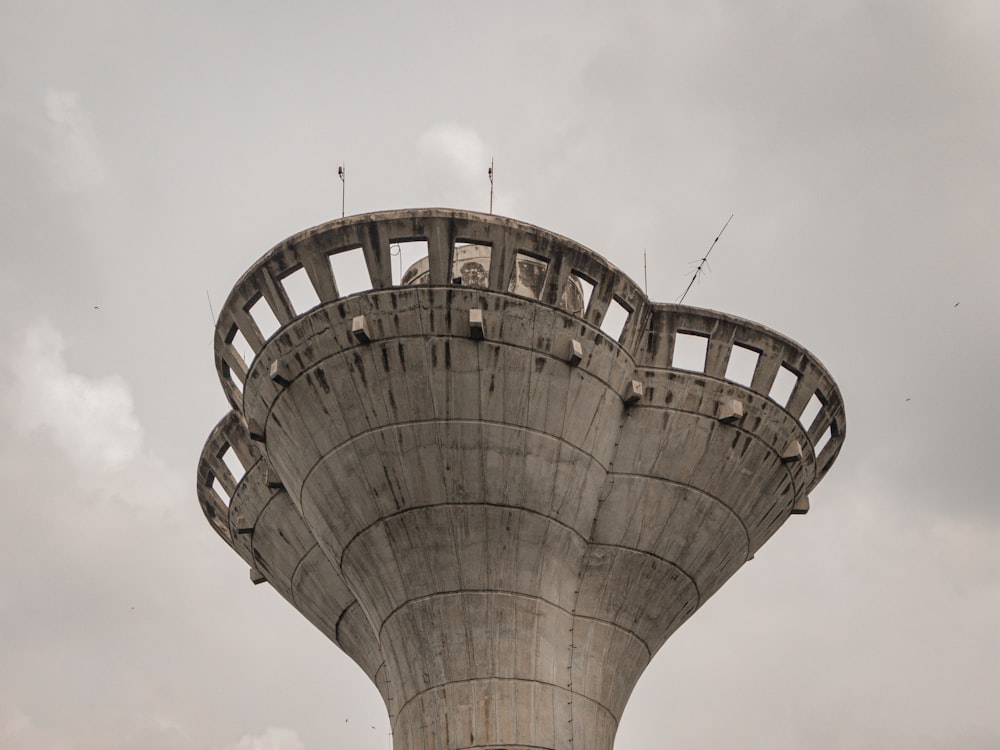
{"points": [[764, 361], [355, 254], [319, 260], [227, 456]]}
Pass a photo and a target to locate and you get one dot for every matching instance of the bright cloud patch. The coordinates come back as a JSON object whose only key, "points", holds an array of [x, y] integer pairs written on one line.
{"points": [[91, 419], [273, 738], [454, 161], [19, 732], [76, 161]]}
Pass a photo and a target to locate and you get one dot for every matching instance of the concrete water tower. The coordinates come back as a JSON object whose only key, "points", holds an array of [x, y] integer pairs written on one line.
{"points": [[500, 486]]}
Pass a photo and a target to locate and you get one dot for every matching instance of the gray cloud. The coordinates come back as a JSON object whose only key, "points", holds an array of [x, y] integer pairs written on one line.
{"points": [[91, 420], [75, 159]]}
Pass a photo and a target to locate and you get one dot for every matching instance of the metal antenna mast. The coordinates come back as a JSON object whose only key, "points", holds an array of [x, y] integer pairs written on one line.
{"points": [[701, 263], [343, 188], [490, 173]]}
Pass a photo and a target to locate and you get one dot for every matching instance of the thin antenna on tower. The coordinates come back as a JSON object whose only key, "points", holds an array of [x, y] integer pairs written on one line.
{"points": [[645, 276], [342, 174], [490, 173], [210, 310], [703, 261]]}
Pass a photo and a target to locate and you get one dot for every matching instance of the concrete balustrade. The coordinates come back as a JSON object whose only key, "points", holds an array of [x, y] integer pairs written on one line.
{"points": [[648, 334]]}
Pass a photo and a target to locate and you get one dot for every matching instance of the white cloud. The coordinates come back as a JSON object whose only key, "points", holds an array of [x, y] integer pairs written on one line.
{"points": [[273, 738], [453, 164], [19, 732], [76, 162], [91, 419]]}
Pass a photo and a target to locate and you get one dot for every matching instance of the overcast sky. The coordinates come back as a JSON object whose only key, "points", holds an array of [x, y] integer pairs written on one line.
{"points": [[150, 152]]}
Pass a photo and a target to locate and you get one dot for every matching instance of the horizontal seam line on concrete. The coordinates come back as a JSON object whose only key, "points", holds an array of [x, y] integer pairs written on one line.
{"points": [[754, 435], [277, 528], [396, 288], [294, 589], [696, 490], [371, 430], [505, 679], [638, 550], [659, 371], [767, 446], [260, 512], [436, 420], [512, 594], [239, 486], [671, 563], [429, 506], [425, 336], [503, 425]]}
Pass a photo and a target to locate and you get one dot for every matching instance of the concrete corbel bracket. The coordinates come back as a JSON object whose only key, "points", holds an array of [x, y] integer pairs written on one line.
{"points": [[730, 410], [360, 329], [255, 430], [792, 452], [633, 392], [575, 353], [477, 328], [272, 480], [801, 506], [281, 373], [256, 577]]}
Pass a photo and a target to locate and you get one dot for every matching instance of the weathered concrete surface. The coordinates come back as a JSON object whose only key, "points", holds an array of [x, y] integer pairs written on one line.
{"points": [[487, 527]]}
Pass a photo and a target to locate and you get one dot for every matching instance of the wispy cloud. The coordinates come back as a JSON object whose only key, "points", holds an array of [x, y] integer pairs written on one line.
{"points": [[18, 731], [91, 419], [453, 163], [273, 738], [75, 160]]}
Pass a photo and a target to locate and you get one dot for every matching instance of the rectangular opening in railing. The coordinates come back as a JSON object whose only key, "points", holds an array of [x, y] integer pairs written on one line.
{"points": [[742, 364], [812, 409], [403, 254], [528, 275], [615, 319], [576, 296], [472, 264], [783, 385], [216, 486], [823, 440], [242, 347], [300, 290], [233, 463], [689, 351], [264, 317], [233, 379], [350, 271]]}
